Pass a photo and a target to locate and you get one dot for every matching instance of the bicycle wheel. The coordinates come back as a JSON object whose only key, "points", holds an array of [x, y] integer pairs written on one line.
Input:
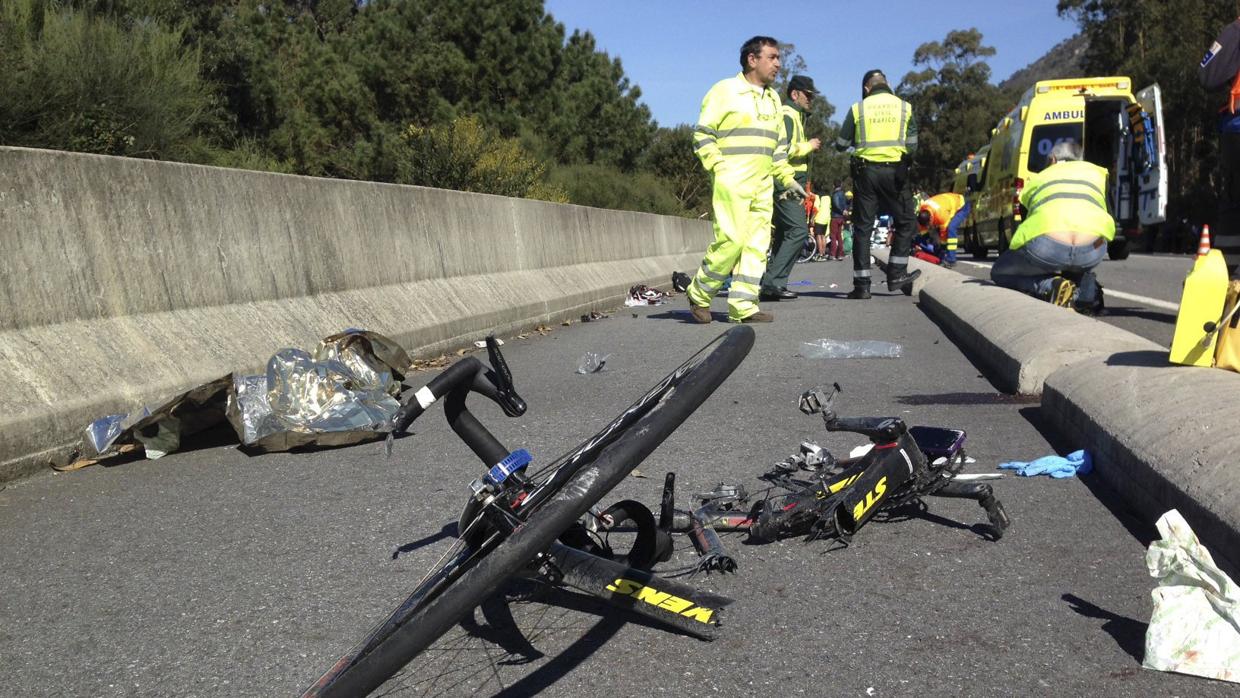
{"points": [[808, 250], [466, 575]]}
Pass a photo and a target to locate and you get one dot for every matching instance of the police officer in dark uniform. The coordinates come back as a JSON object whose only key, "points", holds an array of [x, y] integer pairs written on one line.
{"points": [[881, 134]]}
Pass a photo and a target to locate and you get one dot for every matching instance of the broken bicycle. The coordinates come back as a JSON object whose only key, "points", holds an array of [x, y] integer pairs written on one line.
{"points": [[514, 515]]}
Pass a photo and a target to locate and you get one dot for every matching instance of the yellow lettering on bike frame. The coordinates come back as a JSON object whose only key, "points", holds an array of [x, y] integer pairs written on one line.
{"points": [[871, 498], [661, 599]]}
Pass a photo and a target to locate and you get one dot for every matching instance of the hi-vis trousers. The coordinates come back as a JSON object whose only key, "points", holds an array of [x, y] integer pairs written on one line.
{"points": [[742, 235]]}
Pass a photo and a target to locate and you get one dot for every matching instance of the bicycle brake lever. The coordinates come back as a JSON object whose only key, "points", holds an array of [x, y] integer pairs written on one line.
{"points": [[509, 400]]}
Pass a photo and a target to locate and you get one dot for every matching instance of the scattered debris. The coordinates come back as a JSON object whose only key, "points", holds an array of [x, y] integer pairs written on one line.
{"points": [[482, 343], [594, 315], [1058, 467], [802, 282], [645, 295], [440, 361], [860, 349], [345, 392], [681, 281], [1195, 627], [591, 362]]}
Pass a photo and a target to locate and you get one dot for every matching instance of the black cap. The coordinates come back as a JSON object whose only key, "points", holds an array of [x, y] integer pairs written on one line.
{"points": [[803, 83], [869, 74]]}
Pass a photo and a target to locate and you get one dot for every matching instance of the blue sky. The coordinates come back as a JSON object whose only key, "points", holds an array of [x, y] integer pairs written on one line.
{"points": [[676, 49]]}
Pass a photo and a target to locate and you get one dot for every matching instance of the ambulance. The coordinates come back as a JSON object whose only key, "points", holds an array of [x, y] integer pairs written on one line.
{"points": [[967, 178], [1120, 131]]}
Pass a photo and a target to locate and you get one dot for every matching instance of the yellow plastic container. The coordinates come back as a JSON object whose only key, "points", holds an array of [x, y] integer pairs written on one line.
{"points": [[1205, 291], [1228, 353]]}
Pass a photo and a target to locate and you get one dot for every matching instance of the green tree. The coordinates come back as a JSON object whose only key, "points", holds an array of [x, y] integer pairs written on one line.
{"points": [[75, 79], [670, 158], [954, 103]]}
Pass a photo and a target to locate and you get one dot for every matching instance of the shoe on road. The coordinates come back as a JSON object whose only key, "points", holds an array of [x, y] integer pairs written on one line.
{"points": [[903, 279], [1063, 292], [760, 316], [701, 314], [781, 294], [859, 293]]}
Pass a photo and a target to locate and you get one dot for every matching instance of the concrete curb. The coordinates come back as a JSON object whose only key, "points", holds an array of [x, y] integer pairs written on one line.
{"points": [[1026, 342], [128, 281], [1162, 436]]}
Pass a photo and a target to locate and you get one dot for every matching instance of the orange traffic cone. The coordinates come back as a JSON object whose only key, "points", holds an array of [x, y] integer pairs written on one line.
{"points": [[1203, 247]]}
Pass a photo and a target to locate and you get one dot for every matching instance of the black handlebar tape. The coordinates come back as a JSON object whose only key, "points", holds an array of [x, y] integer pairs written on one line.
{"points": [[424, 397], [471, 431]]}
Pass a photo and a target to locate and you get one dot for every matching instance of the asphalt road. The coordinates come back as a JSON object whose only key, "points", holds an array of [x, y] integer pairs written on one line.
{"points": [[212, 573], [1142, 292]]}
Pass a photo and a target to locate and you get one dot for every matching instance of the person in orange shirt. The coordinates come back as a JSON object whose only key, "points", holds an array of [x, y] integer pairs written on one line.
{"points": [[940, 217]]}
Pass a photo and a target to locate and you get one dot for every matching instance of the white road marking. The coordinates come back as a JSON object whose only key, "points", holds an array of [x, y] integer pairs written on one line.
{"points": [[1144, 300], [1152, 302]]}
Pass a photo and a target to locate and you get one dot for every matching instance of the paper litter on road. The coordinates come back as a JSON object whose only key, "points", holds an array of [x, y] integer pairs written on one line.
{"points": [[1195, 627]]}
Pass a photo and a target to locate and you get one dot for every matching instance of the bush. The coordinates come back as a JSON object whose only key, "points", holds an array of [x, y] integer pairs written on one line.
{"points": [[465, 156], [607, 187], [74, 80]]}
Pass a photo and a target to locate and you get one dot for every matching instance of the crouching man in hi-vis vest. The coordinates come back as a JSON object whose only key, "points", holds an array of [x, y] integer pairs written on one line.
{"points": [[1066, 226], [741, 141]]}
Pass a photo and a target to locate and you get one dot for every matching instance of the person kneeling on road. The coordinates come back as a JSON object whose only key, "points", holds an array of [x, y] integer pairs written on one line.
{"points": [[939, 218], [1066, 229]]}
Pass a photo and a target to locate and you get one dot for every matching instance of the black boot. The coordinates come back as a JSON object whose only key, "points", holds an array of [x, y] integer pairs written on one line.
{"points": [[899, 277], [861, 290]]}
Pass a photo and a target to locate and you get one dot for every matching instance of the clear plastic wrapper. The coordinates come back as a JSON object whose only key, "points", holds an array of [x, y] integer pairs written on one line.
{"points": [[858, 349]]}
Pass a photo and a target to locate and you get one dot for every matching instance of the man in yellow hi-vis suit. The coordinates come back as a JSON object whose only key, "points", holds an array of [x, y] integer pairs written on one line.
{"points": [[741, 141]]}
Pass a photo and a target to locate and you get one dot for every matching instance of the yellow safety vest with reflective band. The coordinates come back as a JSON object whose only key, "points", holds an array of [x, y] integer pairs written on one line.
{"points": [[882, 127], [740, 135], [798, 148], [1067, 197]]}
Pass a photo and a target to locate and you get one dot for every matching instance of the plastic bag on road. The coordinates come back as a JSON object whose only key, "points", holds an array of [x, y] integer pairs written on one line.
{"points": [[861, 349], [1195, 628], [591, 362]]}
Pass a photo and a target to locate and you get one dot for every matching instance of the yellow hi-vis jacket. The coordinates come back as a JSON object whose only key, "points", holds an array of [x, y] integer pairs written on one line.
{"points": [[1067, 197], [740, 136], [823, 215], [881, 127], [799, 149], [942, 208]]}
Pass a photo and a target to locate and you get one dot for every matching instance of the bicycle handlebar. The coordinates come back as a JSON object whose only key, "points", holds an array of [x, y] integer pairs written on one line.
{"points": [[456, 382]]}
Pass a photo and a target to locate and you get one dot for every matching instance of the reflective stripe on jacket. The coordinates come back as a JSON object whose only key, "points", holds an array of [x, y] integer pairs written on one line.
{"points": [[1067, 197], [740, 136], [881, 127]]}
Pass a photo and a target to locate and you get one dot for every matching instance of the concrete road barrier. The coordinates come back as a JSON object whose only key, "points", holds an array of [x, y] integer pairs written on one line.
{"points": [[1162, 436], [1017, 340], [126, 281]]}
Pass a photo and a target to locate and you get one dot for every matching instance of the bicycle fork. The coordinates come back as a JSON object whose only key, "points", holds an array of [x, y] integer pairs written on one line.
{"points": [[679, 605]]}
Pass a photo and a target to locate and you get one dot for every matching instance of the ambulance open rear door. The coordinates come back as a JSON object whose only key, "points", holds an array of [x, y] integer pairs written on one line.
{"points": [[1152, 178]]}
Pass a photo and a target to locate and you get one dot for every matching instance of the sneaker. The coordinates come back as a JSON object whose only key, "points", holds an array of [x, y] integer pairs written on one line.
{"points": [[1062, 292], [701, 314], [760, 316]]}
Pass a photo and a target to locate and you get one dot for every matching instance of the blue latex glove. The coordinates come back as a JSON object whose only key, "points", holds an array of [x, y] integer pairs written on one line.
{"points": [[1075, 463]]}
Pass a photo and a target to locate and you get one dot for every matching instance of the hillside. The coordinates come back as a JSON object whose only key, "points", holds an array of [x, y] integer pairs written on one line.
{"points": [[1062, 61]]}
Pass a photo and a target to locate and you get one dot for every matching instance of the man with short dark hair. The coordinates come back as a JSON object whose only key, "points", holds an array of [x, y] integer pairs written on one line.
{"points": [[791, 227], [840, 205], [741, 142], [881, 134], [1066, 226]]}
